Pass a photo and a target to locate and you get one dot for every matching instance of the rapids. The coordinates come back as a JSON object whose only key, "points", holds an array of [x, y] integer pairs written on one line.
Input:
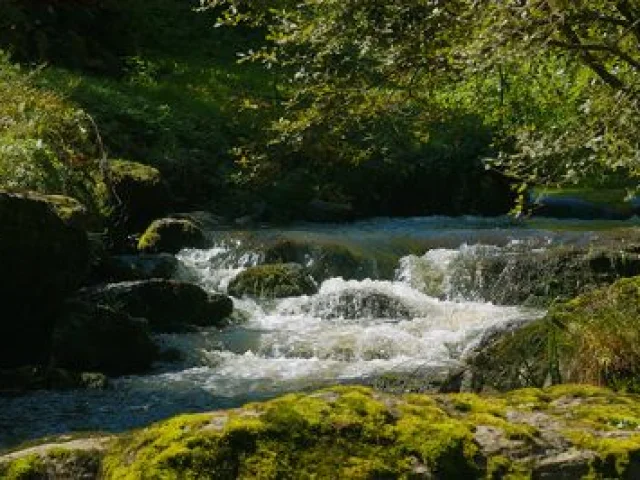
{"points": [[402, 312]]}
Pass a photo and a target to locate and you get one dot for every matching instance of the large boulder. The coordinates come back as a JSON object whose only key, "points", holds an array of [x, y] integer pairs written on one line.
{"points": [[170, 235], [273, 281], [168, 305], [593, 339], [323, 259], [98, 338], [356, 433], [42, 260], [142, 191]]}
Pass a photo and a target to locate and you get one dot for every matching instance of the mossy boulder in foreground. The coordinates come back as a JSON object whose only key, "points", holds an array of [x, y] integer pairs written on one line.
{"points": [[170, 235], [594, 338], [273, 281], [567, 432]]}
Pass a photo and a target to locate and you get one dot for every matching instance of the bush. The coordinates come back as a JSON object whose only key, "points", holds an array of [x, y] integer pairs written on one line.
{"points": [[46, 144]]}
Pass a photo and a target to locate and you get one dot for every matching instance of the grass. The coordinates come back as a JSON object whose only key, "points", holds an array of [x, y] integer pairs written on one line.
{"points": [[180, 103]]}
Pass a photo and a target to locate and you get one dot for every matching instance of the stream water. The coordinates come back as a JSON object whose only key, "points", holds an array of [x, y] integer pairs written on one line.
{"points": [[392, 310]]}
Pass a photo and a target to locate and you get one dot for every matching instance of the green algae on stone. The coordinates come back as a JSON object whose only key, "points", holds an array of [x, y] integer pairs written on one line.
{"points": [[170, 235], [273, 281]]}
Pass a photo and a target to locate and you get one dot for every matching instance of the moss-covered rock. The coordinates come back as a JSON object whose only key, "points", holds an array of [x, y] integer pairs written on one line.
{"points": [[567, 431], [272, 281], [323, 259], [170, 235], [98, 338], [142, 191], [79, 459], [594, 338], [41, 259], [168, 305], [357, 433]]}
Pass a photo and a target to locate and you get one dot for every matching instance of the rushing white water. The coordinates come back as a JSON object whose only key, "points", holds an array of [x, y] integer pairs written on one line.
{"points": [[404, 321]]}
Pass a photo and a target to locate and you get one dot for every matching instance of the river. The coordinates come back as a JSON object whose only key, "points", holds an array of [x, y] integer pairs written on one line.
{"points": [[399, 308]]}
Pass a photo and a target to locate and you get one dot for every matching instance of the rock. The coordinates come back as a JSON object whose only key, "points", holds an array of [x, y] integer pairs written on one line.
{"points": [[322, 260], [168, 305], [354, 432], [170, 235], [540, 277], [38, 378], [122, 268], [592, 338], [354, 303], [322, 211], [71, 211], [77, 459], [272, 281], [142, 191], [42, 260], [98, 338]]}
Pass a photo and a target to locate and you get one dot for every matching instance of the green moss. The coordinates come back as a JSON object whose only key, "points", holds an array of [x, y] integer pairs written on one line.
{"points": [[592, 339], [272, 281], [134, 171], [336, 433], [170, 235], [25, 468]]}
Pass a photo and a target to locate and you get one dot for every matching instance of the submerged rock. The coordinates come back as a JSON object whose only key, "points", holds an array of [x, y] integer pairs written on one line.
{"points": [[564, 432], [170, 235], [168, 305], [42, 260], [273, 281], [593, 338]]}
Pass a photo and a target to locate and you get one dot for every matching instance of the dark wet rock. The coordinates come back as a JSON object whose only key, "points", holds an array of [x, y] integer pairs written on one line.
{"points": [[42, 260], [539, 277], [168, 305], [273, 281], [355, 303], [122, 268], [99, 338], [170, 235]]}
